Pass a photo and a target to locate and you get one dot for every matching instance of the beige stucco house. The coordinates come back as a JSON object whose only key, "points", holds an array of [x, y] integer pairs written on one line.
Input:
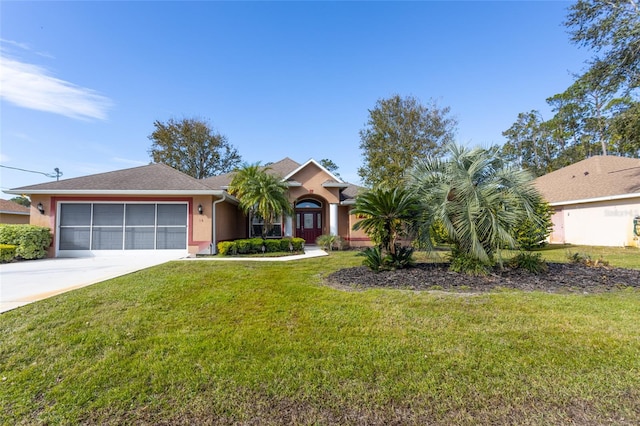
{"points": [[596, 201], [156, 207], [13, 213]]}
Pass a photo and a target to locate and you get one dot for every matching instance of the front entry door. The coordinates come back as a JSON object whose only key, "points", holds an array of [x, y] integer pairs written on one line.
{"points": [[308, 225]]}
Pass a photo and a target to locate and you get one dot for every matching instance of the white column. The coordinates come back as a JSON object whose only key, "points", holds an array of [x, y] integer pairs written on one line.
{"points": [[333, 219], [288, 226]]}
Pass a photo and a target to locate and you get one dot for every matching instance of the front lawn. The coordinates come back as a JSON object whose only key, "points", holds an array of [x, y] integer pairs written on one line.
{"points": [[621, 257], [268, 343]]}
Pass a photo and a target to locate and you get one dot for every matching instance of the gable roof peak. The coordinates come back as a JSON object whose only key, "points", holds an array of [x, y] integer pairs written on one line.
{"points": [[317, 164]]}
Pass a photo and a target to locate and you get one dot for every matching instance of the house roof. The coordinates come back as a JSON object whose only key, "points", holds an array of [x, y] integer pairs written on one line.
{"points": [[349, 194], [280, 168], [285, 169], [9, 207], [595, 178], [160, 179], [150, 179]]}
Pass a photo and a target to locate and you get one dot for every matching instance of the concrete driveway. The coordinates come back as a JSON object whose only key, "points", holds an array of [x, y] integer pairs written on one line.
{"points": [[25, 282]]}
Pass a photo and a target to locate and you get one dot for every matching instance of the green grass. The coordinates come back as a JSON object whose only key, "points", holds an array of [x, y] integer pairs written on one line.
{"points": [[267, 343], [621, 257]]}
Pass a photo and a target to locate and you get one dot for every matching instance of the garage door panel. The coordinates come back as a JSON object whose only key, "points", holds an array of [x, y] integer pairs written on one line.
{"points": [[139, 238], [75, 238], [107, 238], [141, 215], [172, 215], [171, 238], [118, 226], [108, 214], [75, 215]]}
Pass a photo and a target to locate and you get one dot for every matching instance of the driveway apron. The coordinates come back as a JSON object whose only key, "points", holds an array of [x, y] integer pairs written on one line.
{"points": [[28, 281]]}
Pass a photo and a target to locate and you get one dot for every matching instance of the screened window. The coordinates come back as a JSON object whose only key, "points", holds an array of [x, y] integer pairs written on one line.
{"points": [[257, 225], [140, 231], [75, 226], [117, 226]]}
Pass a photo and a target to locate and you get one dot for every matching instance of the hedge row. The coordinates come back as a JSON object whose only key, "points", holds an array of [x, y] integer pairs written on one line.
{"points": [[31, 241], [254, 245], [7, 252]]}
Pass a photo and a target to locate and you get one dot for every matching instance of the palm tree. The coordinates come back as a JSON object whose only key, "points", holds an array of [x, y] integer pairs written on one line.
{"points": [[261, 194], [388, 214], [478, 199]]}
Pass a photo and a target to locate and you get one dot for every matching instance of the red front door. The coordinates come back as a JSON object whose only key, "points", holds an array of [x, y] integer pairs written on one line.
{"points": [[309, 225]]}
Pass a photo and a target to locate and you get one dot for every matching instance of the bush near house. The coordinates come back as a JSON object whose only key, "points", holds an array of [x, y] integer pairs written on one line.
{"points": [[329, 242], [31, 241], [254, 246], [7, 252]]}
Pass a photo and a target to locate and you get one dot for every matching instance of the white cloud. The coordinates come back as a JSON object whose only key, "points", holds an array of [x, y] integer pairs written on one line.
{"points": [[130, 162], [31, 86]]}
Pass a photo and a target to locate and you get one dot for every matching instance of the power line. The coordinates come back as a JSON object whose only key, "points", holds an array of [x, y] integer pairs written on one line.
{"points": [[56, 175]]}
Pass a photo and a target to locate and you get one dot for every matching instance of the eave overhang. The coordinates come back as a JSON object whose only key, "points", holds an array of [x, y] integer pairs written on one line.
{"points": [[14, 212], [595, 200], [335, 185], [123, 192]]}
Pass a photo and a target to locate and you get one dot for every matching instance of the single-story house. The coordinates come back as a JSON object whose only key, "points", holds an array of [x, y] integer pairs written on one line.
{"points": [[156, 207], [595, 201], [13, 213]]}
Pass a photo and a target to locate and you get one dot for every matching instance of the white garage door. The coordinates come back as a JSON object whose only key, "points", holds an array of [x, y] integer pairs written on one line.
{"points": [[122, 226]]}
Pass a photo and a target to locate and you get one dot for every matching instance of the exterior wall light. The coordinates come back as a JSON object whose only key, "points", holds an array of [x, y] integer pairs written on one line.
{"points": [[40, 208], [200, 208]]}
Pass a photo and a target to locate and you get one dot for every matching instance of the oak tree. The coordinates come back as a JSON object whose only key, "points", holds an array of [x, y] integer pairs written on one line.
{"points": [[193, 147], [399, 131]]}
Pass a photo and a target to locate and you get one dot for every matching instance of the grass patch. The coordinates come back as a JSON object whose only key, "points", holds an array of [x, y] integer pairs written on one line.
{"points": [[619, 257], [266, 343]]}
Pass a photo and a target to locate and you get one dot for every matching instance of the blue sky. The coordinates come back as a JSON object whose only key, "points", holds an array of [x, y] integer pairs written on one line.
{"points": [[83, 82]]}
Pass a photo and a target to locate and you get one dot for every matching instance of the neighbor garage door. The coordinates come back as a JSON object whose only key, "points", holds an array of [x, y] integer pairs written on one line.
{"points": [[122, 226]]}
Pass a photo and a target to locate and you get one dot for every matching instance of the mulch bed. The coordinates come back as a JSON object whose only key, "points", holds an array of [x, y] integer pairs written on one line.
{"points": [[560, 278]]}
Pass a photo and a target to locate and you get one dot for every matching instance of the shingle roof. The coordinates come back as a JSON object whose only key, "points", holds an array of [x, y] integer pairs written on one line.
{"points": [[10, 207], [595, 177], [350, 192], [153, 177], [280, 168], [283, 167]]}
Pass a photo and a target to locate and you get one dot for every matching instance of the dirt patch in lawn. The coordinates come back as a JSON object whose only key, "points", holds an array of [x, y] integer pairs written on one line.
{"points": [[560, 278]]}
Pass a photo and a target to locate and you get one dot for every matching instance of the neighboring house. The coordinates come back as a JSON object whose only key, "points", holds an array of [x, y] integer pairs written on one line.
{"points": [[595, 201], [13, 213], [156, 207]]}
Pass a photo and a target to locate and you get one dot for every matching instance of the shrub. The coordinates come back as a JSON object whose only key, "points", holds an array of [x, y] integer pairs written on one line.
{"points": [[272, 246], [31, 241], [401, 258], [7, 252], [298, 244], [329, 242], [326, 241], [586, 260], [468, 264], [286, 244], [373, 258], [439, 235], [530, 234], [254, 246], [226, 247], [243, 246], [532, 262]]}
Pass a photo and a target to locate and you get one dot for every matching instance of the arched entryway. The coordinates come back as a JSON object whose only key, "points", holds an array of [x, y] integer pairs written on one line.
{"points": [[309, 219]]}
